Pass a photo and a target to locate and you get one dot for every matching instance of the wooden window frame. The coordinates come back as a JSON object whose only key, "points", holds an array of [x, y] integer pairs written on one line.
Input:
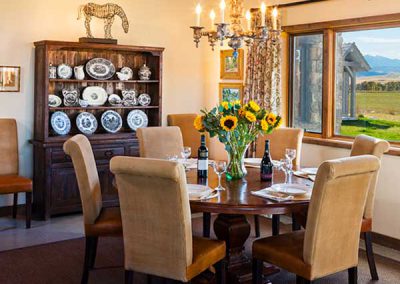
{"points": [[329, 30]]}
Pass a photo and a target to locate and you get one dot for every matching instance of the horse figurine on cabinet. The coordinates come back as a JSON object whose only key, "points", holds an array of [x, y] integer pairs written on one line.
{"points": [[107, 12]]}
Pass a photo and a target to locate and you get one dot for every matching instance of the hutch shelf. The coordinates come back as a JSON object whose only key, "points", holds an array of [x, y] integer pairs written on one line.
{"points": [[55, 187]]}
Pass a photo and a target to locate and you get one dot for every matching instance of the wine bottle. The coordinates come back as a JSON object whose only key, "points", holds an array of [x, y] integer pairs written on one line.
{"points": [[202, 156], [266, 168]]}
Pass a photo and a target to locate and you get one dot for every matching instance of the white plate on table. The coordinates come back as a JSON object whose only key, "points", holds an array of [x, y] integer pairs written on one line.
{"points": [[309, 171], [196, 191], [256, 161], [293, 189]]}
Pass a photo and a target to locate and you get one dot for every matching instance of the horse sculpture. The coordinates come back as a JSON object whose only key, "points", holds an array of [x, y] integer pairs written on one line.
{"points": [[106, 12]]}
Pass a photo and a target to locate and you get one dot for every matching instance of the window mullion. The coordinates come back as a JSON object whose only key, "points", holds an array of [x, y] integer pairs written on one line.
{"points": [[328, 84]]}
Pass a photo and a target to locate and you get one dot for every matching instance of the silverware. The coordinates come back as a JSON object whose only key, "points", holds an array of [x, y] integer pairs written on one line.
{"points": [[206, 196]]}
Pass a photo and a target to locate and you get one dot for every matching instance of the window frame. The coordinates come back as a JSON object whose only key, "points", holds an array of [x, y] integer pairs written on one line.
{"points": [[329, 30]]}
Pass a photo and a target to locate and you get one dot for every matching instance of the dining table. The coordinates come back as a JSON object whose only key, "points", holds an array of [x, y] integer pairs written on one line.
{"points": [[233, 205]]}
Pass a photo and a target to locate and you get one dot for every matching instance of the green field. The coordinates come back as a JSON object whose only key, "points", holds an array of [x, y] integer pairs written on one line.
{"points": [[379, 116]]}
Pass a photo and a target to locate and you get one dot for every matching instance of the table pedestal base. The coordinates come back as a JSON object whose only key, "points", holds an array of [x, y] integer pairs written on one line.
{"points": [[235, 230]]}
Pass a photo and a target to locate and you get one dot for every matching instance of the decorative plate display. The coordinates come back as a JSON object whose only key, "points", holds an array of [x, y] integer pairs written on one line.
{"points": [[137, 119], [71, 97], [86, 123], [129, 94], [128, 71], [144, 99], [114, 100], [60, 123], [100, 68], [54, 101], [96, 96], [111, 121], [64, 71]]}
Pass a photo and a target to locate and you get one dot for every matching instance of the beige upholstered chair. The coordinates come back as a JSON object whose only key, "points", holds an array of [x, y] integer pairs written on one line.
{"points": [[157, 225], [280, 140], [160, 142], [331, 240], [98, 221], [10, 181]]}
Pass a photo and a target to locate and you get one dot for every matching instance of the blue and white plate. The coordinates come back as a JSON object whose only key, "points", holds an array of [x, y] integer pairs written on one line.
{"points": [[60, 123], [100, 68], [86, 123], [111, 121], [137, 119]]}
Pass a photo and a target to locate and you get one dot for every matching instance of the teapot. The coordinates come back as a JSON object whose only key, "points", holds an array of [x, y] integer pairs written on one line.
{"points": [[123, 76], [79, 73]]}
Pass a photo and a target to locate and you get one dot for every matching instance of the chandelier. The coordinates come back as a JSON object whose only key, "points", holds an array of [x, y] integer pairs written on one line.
{"points": [[234, 32]]}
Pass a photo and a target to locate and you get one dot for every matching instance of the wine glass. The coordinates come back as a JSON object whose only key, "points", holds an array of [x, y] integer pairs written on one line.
{"points": [[172, 158], [290, 155], [283, 166], [186, 152], [219, 169]]}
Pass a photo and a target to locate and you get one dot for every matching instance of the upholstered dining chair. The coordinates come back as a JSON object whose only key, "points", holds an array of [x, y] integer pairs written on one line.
{"points": [[157, 224], [330, 242], [10, 180], [98, 221], [280, 140]]}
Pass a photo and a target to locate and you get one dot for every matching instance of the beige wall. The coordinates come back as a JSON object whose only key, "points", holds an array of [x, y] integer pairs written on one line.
{"points": [[152, 22]]}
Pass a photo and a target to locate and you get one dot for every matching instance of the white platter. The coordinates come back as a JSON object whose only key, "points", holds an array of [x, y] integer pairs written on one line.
{"points": [[64, 71], [95, 96], [111, 121], [137, 119], [100, 68], [60, 123], [54, 101], [86, 123], [291, 188], [144, 99]]}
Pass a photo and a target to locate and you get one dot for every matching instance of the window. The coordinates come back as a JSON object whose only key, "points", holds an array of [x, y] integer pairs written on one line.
{"points": [[307, 65]]}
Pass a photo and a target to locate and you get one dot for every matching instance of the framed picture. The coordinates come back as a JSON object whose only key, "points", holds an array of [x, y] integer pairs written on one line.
{"points": [[10, 78], [231, 67], [230, 92]]}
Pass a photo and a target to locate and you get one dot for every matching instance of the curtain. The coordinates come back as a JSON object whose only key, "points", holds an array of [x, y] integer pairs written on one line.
{"points": [[263, 69]]}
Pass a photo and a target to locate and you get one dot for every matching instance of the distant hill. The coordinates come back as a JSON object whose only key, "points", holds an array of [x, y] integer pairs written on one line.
{"points": [[380, 66]]}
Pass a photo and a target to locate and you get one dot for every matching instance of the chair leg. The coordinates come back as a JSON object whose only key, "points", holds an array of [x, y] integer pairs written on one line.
{"points": [[295, 225], [301, 280], [28, 209], [128, 277], [257, 225], [257, 271], [275, 224], [370, 256], [206, 224], [353, 275], [15, 205], [220, 269], [90, 242], [94, 252]]}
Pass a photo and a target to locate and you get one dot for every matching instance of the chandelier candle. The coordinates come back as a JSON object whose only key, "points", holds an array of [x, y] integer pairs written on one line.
{"points": [[212, 17], [263, 10], [198, 13], [275, 19], [222, 6], [248, 18]]}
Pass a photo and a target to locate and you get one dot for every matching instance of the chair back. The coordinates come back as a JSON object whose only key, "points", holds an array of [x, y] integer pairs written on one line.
{"points": [[80, 150], [367, 145], [335, 213], [8, 147], [155, 216], [160, 142], [280, 140]]}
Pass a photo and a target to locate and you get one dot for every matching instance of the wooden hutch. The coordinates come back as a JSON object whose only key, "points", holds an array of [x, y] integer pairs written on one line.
{"points": [[55, 187]]}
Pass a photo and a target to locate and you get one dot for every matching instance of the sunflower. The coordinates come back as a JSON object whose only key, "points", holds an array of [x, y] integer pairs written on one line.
{"points": [[198, 123], [264, 125], [270, 118], [241, 112], [225, 105], [237, 102], [229, 122], [254, 106], [250, 116]]}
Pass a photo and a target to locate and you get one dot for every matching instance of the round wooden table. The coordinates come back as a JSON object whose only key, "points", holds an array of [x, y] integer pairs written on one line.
{"points": [[233, 204]]}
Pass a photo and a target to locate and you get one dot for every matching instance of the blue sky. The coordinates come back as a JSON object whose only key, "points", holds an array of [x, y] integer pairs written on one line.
{"points": [[383, 42]]}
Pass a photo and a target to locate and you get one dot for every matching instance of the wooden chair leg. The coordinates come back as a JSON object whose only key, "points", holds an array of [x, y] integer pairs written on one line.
{"points": [[220, 269], [28, 209], [295, 225], [275, 224], [15, 205], [94, 252], [128, 277], [353, 275], [370, 256], [257, 225], [301, 280], [90, 243], [257, 271], [206, 224]]}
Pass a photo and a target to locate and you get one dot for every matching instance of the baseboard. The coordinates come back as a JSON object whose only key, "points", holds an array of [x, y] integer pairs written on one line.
{"points": [[7, 210], [385, 241]]}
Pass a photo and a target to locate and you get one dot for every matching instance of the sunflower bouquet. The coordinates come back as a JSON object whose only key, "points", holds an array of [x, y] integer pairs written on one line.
{"points": [[237, 126]]}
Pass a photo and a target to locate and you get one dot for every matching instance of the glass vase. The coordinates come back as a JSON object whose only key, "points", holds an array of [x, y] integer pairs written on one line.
{"points": [[236, 169]]}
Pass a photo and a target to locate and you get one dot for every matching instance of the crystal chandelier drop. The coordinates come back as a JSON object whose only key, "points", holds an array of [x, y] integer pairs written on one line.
{"points": [[234, 31]]}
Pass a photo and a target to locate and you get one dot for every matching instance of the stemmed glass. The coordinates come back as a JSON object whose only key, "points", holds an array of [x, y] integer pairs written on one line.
{"points": [[219, 169], [186, 152], [290, 155], [283, 166]]}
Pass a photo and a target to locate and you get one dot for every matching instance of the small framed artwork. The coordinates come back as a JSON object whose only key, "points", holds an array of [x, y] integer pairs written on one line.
{"points": [[10, 78], [231, 67], [230, 92]]}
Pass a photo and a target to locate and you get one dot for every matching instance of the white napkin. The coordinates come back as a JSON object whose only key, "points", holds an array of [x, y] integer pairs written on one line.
{"points": [[200, 192], [273, 195]]}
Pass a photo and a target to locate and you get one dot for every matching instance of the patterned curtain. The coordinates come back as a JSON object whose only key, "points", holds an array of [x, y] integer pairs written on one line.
{"points": [[263, 70]]}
